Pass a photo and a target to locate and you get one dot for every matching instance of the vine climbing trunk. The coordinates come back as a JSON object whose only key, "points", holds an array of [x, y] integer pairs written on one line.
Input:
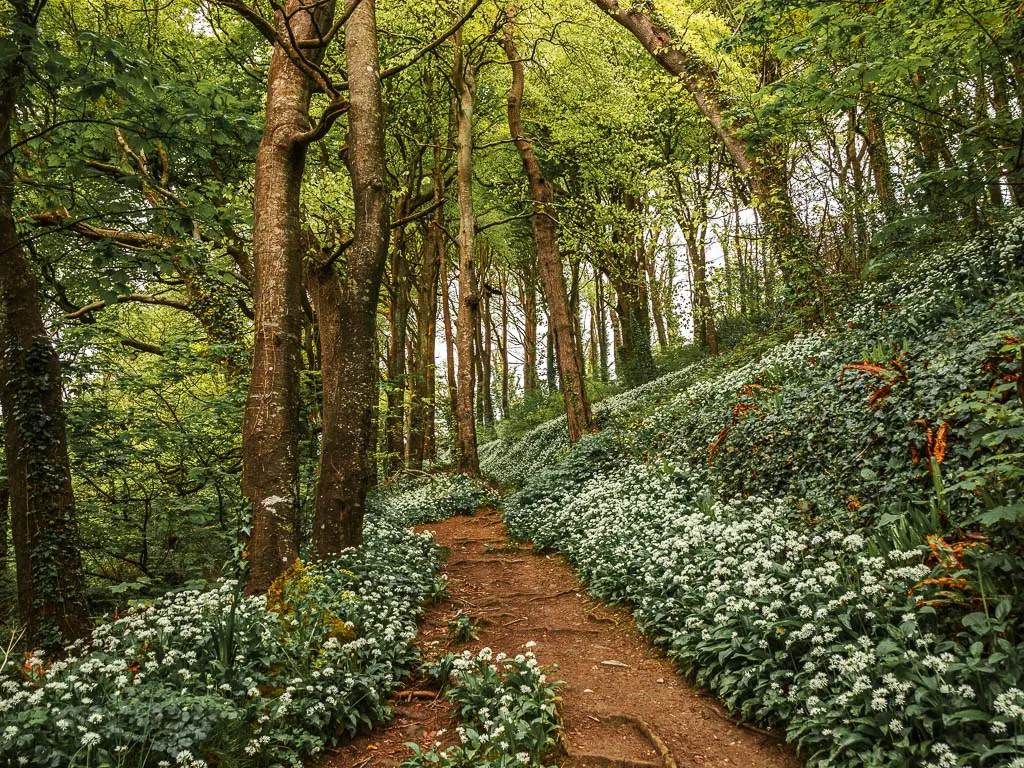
{"points": [[51, 597], [469, 298], [347, 468], [545, 235], [270, 432]]}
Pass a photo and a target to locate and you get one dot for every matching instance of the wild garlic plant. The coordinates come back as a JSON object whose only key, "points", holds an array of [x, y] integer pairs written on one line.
{"points": [[507, 708], [825, 531], [215, 677]]}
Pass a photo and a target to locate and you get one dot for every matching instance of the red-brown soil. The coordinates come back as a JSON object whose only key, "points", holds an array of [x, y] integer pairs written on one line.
{"points": [[623, 704]]}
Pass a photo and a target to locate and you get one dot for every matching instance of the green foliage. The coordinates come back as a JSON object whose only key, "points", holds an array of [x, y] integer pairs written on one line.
{"points": [[823, 531], [421, 498], [507, 709], [217, 676], [462, 629]]}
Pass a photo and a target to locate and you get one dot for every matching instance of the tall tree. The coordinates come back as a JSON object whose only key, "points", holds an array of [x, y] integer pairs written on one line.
{"points": [[397, 364], [270, 464], [433, 252], [42, 505], [347, 463], [761, 165], [545, 235], [466, 319]]}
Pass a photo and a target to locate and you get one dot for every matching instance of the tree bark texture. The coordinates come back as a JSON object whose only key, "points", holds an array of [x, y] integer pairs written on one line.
{"points": [[421, 402], [270, 436], [346, 464], [545, 236], [469, 298], [529, 300], [51, 597], [397, 365]]}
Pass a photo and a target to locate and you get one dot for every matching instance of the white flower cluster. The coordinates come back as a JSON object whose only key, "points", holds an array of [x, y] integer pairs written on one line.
{"points": [[814, 628], [214, 673], [415, 500], [507, 708]]}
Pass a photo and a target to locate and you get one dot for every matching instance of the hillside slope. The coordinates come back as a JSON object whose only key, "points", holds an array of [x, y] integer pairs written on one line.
{"points": [[824, 531]]}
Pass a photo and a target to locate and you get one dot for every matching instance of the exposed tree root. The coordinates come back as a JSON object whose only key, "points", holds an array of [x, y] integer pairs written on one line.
{"points": [[667, 761], [416, 695], [552, 597], [746, 726], [594, 760]]}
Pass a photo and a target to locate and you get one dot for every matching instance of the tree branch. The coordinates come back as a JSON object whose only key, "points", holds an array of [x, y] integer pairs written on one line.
{"points": [[143, 298], [391, 71]]}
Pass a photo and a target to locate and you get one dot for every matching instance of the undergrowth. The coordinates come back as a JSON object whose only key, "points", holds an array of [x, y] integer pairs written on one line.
{"points": [[825, 529], [214, 677]]}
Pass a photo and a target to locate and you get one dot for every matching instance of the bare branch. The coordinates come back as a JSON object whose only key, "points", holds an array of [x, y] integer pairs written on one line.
{"points": [[391, 71]]}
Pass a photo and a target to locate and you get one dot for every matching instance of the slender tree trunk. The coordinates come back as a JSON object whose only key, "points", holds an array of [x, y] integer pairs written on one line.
{"points": [[616, 331], [270, 433], [5, 522], [1001, 104], [549, 359], [504, 346], [469, 298], [395, 434], [879, 161], [602, 329], [530, 383], [655, 291], [634, 358], [487, 329], [347, 468], [51, 597], [592, 343], [703, 316], [449, 341], [422, 403], [545, 235], [668, 289]]}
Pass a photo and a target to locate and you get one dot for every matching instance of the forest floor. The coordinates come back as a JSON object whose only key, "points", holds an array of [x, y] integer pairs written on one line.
{"points": [[623, 703]]}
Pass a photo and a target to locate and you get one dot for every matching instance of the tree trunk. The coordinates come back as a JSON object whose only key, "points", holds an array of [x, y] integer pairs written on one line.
{"points": [[270, 433], [545, 235], [469, 299], [347, 466], [487, 349], [449, 341], [879, 161], [552, 375], [51, 597], [5, 522], [396, 362], [530, 383], [655, 291], [504, 346], [422, 403], [634, 358], [703, 316], [592, 343], [602, 329]]}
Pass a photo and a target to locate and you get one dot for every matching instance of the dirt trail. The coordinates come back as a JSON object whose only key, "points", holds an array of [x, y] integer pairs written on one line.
{"points": [[621, 696]]}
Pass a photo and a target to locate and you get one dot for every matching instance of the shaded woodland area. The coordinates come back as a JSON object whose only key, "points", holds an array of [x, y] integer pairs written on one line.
{"points": [[262, 261]]}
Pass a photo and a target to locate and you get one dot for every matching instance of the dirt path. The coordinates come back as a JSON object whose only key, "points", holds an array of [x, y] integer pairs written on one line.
{"points": [[617, 686]]}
